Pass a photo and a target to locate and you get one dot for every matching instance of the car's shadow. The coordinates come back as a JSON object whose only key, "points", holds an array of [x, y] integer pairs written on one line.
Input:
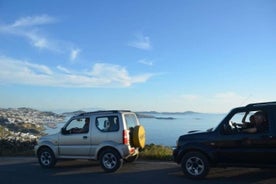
{"points": [[242, 175], [145, 172], [160, 172]]}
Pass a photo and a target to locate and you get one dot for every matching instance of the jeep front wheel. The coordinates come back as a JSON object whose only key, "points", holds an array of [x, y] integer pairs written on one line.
{"points": [[195, 165], [110, 160], [46, 158]]}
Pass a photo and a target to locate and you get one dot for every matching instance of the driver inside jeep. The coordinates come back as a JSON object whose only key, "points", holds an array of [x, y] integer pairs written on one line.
{"points": [[258, 123]]}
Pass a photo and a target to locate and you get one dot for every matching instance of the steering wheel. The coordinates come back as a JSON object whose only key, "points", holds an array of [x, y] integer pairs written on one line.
{"points": [[235, 126], [74, 130]]}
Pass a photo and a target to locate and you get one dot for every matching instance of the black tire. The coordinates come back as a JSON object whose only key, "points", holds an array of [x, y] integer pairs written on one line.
{"points": [[195, 165], [46, 158], [110, 160], [132, 158]]}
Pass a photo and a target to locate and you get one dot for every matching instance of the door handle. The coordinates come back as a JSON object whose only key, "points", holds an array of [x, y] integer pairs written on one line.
{"points": [[84, 137]]}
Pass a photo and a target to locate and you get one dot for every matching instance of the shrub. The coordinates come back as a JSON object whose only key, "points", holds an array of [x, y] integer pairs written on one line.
{"points": [[156, 152], [16, 147]]}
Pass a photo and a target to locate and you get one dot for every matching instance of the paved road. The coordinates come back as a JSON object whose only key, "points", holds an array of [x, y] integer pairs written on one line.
{"points": [[26, 170]]}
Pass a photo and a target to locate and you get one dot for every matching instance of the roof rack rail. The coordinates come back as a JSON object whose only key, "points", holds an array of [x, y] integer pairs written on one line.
{"points": [[261, 104], [102, 112]]}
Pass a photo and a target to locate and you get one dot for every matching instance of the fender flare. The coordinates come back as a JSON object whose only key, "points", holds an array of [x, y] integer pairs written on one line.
{"points": [[209, 152], [108, 145], [50, 145]]}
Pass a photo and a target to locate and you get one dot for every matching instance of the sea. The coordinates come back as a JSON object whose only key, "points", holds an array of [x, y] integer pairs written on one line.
{"points": [[166, 128]]}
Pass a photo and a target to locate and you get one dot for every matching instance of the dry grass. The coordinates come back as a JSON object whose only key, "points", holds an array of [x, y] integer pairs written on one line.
{"points": [[156, 152]]}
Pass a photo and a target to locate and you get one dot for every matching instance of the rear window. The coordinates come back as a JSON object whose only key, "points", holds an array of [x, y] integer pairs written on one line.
{"points": [[131, 120]]}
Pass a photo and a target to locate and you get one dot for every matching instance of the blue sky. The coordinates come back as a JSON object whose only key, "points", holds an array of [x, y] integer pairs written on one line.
{"points": [[199, 55]]}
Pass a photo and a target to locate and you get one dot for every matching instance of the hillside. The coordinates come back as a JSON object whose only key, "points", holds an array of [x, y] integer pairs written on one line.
{"points": [[21, 127]]}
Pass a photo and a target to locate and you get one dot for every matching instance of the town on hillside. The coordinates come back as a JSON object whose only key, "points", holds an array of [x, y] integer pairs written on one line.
{"points": [[21, 127]]}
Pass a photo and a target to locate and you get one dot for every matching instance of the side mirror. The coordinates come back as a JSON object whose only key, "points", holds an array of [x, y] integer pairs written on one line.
{"points": [[226, 129], [63, 131]]}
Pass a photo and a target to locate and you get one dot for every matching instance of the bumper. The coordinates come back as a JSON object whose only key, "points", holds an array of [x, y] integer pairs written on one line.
{"points": [[176, 155], [36, 149]]}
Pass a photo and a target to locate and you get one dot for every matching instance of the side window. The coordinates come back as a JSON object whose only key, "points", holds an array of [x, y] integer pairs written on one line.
{"points": [[231, 127], [241, 118], [107, 123], [247, 122], [79, 125]]}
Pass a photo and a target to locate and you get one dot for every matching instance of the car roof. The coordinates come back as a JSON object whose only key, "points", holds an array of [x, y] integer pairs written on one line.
{"points": [[102, 112], [261, 104]]}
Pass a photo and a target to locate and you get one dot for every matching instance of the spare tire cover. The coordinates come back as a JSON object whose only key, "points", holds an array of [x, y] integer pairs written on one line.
{"points": [[139, 136]]}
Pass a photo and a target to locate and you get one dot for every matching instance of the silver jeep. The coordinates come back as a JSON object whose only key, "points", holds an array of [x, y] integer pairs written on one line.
{"points": [[108, 136]]}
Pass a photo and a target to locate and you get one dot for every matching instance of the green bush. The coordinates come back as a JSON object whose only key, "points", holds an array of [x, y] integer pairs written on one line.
{"points": [[16, 147], [156, 152]]}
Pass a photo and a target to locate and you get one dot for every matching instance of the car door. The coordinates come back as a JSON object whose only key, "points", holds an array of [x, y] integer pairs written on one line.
{"points": [[74, 140], [239, 147], [245, 149], [231, 149], [263, 144]]}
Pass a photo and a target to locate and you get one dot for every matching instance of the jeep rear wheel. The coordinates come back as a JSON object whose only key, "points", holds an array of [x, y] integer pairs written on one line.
{"points": [[195, 165], [110, 160], [139, 136], [46, 158]]}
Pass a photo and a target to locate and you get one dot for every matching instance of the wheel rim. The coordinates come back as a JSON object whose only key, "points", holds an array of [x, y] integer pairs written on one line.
{"points": [[195, 166], [109, 160], [45, 158]]}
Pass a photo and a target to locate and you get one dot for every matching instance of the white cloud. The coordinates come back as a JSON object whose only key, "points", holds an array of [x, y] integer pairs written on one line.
{"points": [[31, 29], [15, 71], [38, 40], [106, 72], [146, 62], [42, 69], [26, 27], [74, 54], [117, 74], [141, 42], [65, 70], [33, 21], [22, 72]]}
